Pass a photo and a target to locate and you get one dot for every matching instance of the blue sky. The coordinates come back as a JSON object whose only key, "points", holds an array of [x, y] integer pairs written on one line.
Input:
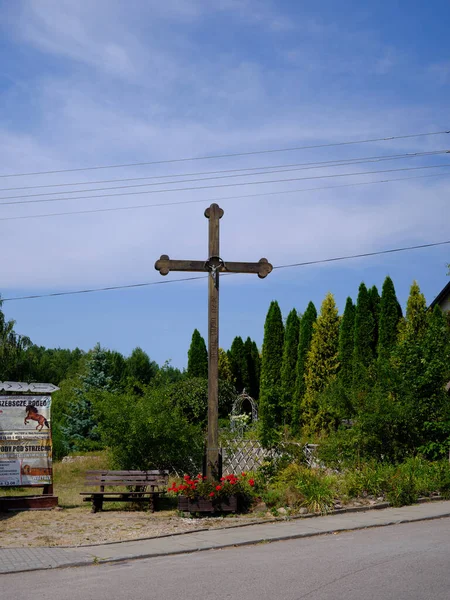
{"points": [[98, 83]]}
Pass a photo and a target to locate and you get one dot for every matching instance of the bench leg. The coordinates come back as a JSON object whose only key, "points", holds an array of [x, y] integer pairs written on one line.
{"points": [[152, 502], [97, 503]]}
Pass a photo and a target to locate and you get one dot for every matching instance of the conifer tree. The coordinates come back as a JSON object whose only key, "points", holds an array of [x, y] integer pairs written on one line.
{"points": [[304, 343], [415, 323], [321, 365], [390, 315], [225, 372], [375, 300], [81, 428], [346, 344], [238, 364], [140, 367], [270, 380], [363, 350], [288, 368], [253, 367], [422, 364], [197, 356]]}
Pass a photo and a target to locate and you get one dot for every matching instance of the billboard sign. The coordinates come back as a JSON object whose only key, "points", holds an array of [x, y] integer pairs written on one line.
{"points": [[25, 440]]}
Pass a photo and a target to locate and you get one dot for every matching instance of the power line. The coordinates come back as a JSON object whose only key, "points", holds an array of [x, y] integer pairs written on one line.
{"points": [[315, 164], [230, 155], [299, 264], [272, 170], [221, 199], [224, 185]]}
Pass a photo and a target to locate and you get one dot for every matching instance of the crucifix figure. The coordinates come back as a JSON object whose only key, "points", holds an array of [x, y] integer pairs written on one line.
{"points": [[213, 265]]}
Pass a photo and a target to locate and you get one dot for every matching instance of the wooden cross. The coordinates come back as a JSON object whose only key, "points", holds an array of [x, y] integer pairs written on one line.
{"points": [[213, 265]]}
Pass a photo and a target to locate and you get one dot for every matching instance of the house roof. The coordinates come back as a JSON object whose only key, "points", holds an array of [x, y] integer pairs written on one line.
{"points": [[442, 294]]}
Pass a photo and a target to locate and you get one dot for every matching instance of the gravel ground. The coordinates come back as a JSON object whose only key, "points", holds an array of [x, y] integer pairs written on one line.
{"points": [[78, 526]]}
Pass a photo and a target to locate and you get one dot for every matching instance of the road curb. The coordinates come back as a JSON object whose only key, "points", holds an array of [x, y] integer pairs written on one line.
{"points": [[261, 540]]}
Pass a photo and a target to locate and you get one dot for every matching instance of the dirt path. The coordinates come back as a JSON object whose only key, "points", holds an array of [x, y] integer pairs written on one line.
{"points": [[78, 526]]}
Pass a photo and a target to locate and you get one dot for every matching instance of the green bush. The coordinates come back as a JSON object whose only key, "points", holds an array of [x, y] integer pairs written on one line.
{"points": [[317, 491], [371, 479], [149, 431], [402, 489]]}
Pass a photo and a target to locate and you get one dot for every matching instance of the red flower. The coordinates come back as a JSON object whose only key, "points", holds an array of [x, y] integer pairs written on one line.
{"points": [[223, 478], [251, 482], [186, 477], [211, 495], [218, 487], [244, 474]]}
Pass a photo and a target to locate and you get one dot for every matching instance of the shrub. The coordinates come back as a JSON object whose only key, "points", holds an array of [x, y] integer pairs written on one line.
{"points": [[317, 492], [149, 431]]}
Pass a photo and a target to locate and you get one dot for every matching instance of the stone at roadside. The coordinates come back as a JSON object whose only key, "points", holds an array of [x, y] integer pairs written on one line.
{"points": [[282, 511], [303, 511], [260, 507]]}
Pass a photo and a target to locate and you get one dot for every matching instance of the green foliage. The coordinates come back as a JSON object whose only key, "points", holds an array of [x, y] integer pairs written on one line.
{"points": [[321, 365], [225, 371], [81, 426], [268, 417], [12, 349], [375, 308], [270, 409], [416, 308], [140, 368], [346, 344], [253, 367], [316, 490], [238, 363], [154, 434], [289, 362], [364, 337], [272, 352], [191, 396], [304, 343], [390, 316], [422, 368], [197, 356]]}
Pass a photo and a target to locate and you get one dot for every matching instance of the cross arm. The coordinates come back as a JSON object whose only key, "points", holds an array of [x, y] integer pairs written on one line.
{"points": [[165, 264], [261, 268]]}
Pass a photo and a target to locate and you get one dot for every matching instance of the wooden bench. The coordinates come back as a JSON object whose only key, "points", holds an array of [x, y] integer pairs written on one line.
{"points": [[142, 486]]}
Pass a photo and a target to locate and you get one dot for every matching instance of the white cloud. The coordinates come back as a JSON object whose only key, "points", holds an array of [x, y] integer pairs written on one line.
{"points": [[140, 98]]}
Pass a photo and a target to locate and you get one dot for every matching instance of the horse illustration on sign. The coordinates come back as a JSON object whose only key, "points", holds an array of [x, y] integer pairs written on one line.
{"points": [[33, 415]]}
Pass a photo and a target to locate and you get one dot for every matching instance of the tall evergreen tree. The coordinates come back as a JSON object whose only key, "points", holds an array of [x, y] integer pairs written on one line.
{"points": [[363, 350], [304, 343], [390, 315], [225, 373], [375, 301], [81, 423], [139, 366], [253, 367], [346, 344], [197, 356], [288, 367], [238, 364], [270, 381], [422, 364], [321, 365], [415, 323]]}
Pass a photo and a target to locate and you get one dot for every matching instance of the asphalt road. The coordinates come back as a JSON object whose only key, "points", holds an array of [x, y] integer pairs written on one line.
{"points": [[401, 562]]}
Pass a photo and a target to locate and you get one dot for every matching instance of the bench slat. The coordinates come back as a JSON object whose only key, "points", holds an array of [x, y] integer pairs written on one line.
{"points": [[107, 472], [128, 478]]}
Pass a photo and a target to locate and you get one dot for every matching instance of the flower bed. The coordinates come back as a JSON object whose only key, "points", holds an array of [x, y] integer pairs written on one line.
{"points": [[202, 495]]}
